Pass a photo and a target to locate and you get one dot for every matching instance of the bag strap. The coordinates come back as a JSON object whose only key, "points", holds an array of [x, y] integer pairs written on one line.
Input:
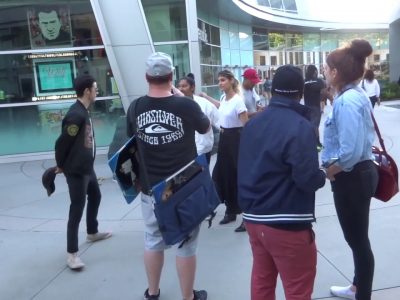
{"points": [[378, 133], [149, 190]]}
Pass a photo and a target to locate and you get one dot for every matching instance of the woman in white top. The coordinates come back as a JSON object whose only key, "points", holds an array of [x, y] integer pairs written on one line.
{"points": [[204, 142], [371, 86], [232, 117]]}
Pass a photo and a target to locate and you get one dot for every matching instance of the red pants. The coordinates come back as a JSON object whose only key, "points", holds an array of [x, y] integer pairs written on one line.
{"points": [[291, 254]]}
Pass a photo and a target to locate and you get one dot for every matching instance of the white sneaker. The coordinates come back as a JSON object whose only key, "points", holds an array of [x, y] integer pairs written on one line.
{"points": [[343, 292], [74, 262], [91, 238]]}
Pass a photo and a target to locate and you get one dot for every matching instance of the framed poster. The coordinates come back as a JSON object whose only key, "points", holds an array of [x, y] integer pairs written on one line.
{"points": [[49, 26], [54, 76]]}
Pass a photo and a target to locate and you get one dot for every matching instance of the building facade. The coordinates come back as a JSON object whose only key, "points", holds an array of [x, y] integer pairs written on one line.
{"points": [[45, 44]]}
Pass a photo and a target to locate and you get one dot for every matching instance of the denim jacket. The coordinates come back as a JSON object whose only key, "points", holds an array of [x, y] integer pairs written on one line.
{"points": [[349, 130]]}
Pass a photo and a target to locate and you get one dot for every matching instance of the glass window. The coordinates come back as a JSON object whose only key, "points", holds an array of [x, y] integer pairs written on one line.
{"points": [[234, 41], [180, 58], [207, 75], [276, 41], [290, 5], [294, 41], [384, 40], [205, 53], [246, 41], [311, 42], [225, 57], [276, 4], [260, 42], [215, 55], [345, 38], [235, 58], [35, 128], [53, 25], [215, 36], [224, 38], [166, 19], [329, 41], [246, 58], [49, 76]]}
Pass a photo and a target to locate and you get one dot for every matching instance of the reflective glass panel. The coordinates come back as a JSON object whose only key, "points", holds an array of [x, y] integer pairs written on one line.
{"points": [[35, 128], [38, 24], [166, 19], [180, 58], [49, 76]]}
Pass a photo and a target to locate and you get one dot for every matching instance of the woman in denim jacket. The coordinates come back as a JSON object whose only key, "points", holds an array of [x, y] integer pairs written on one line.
{"points": [[348, 137]]}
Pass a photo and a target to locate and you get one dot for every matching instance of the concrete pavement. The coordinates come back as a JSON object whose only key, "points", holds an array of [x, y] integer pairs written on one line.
{"points": [[33, 242]]}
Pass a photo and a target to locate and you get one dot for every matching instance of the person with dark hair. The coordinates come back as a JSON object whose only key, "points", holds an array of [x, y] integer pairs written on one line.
{"points": [[75, 152], [347, 154], [204, 142], [233, 116], [312, 98], [371, 86], [250, 96], [165, 126], [278, 195]]}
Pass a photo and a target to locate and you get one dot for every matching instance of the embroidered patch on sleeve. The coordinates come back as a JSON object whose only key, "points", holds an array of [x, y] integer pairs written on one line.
{"points": [[72, 130]]}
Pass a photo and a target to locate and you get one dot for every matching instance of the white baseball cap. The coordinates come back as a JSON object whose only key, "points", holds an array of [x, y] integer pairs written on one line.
{"points": [[159, 64]]}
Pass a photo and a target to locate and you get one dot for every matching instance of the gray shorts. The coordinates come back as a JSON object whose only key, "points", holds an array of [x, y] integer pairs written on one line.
{"points": [[153, 240]]}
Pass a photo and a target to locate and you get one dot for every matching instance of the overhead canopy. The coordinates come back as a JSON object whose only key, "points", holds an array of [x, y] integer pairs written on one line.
{"points": [[322, 14]]}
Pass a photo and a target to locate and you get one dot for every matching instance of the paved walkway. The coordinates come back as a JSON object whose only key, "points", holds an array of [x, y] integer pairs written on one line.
{"points": [[33, 242]]}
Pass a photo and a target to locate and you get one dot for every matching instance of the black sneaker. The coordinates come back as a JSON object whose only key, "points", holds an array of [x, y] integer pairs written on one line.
{"points": [[241, 228], [152, 297], [200, 295]]}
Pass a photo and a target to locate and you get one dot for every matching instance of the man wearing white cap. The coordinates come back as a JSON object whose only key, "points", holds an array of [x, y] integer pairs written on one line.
{"points": [[165, 124]]}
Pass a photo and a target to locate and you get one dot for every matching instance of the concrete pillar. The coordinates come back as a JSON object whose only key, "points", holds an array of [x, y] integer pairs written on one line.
{"points": [[127, 42]]}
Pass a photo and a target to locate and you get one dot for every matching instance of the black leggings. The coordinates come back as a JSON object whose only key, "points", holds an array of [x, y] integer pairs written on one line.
{"points": [[79, 186], [352, 192]]}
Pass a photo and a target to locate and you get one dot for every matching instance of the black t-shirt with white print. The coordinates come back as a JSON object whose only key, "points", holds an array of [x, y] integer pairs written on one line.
{"points": [[167, 130]]}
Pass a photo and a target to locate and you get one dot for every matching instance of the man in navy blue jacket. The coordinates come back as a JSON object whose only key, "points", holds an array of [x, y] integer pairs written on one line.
{"points": [[278, 176]]}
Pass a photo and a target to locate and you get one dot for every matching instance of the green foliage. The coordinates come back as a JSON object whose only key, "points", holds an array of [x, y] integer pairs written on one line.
{"points": [[390, 90]]}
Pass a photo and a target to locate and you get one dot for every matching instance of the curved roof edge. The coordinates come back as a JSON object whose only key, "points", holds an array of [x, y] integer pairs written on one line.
{"points": [[293, 19]]}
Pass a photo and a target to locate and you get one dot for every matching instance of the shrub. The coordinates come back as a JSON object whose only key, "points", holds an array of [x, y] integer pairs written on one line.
{"points": [[390, 90]]}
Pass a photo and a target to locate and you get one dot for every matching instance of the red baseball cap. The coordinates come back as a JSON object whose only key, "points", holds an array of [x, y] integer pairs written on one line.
{"points": [[251, 75]]}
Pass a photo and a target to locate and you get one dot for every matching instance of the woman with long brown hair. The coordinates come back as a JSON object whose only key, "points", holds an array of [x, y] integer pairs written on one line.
{"points": [[347, 156]]}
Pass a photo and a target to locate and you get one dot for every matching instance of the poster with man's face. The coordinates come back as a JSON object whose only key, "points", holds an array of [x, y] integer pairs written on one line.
{"points": [[49, 26]]}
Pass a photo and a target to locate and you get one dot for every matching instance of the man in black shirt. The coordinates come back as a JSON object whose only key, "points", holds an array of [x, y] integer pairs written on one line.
{"points": [[166, 126], [75, 151], [312, 98]]}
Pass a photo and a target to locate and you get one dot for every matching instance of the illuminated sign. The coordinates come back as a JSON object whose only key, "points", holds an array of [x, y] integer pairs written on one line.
{"points": [[54, 77]]}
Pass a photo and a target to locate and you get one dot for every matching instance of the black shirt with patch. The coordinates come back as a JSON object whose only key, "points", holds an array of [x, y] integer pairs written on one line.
{"points": [[75, 148], [167, 130]]}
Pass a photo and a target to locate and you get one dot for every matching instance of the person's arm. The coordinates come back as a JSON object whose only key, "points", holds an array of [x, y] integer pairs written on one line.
{"points": [[176, 91], [211, 99], [302, 157], [213, 114], [71, 125], [243, 116], [201, 123]]}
